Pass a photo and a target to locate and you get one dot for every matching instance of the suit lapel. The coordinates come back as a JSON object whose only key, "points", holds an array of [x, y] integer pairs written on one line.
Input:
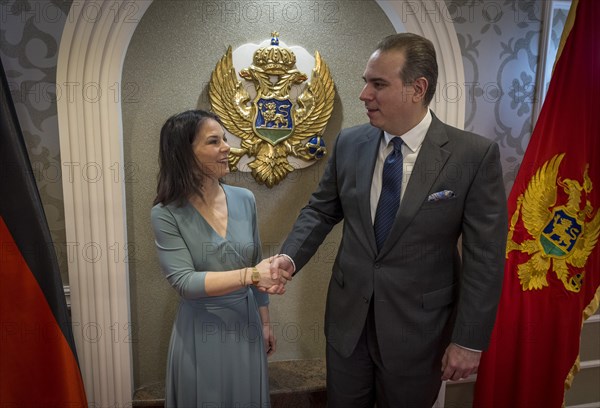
{"points": [[366, 152], [430, 162]]}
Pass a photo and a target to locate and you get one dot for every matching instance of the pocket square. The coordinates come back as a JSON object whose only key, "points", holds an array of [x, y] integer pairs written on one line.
{"points": [[441, 195]]}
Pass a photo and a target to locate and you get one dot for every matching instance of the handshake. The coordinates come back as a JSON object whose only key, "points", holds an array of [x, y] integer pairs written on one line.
{"points": [[274, 273]]}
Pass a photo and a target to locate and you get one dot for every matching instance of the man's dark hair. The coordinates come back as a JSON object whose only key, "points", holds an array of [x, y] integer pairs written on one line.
{"points": [[419, 62]]}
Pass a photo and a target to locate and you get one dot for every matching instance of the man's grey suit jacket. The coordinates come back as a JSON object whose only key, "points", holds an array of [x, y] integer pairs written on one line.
{"points": [[425, 293]]}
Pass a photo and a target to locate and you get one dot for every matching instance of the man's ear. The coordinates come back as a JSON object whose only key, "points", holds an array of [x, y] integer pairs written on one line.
{"points": [[420, 85]]}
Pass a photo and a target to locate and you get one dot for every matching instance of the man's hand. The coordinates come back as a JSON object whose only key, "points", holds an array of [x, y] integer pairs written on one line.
{"points": [[281, 270], [459, 362]]}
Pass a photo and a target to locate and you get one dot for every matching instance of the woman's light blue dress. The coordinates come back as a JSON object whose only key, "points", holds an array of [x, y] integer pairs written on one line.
{"points": [[216, 355]]}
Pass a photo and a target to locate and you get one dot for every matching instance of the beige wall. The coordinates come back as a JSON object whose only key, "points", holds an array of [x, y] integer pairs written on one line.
{"points": [[167, 70]]}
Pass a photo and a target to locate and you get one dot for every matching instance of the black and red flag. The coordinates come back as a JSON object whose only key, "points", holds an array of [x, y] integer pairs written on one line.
{"points": [[38, 362]]}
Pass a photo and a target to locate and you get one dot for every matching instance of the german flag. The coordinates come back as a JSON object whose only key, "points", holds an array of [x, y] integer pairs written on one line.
{"points": [[38, 362], [552, 270]]}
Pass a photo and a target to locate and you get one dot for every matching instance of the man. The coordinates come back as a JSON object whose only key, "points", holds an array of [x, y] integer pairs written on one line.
{"points": [[404, 310]]}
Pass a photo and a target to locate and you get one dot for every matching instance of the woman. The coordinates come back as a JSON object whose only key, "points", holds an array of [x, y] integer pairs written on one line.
{"points": [[207, 239]]}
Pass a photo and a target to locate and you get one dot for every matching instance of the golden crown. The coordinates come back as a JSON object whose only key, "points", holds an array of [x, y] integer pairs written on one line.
{"points": [[273, 59]]}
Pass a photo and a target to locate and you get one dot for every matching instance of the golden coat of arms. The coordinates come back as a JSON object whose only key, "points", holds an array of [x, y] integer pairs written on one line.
{"points": [[563, 235], [273, 125]]}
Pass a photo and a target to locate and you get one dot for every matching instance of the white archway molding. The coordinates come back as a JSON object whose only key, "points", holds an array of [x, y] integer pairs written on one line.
{"points": [[90, 63]]}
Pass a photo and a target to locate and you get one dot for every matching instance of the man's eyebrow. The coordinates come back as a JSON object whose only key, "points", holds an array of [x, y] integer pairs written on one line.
{"points": [[374, 79]]}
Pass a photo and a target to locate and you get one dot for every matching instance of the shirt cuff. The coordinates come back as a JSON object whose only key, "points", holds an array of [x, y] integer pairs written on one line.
{"points": [[466, 348], [289, 258]]}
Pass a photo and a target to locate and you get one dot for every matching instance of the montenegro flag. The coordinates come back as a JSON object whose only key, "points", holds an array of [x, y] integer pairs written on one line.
{"points": [[552, 272], [38, 364]]}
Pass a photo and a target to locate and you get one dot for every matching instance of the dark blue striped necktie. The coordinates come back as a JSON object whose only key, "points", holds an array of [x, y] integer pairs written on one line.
{"points": [[389, 200]]}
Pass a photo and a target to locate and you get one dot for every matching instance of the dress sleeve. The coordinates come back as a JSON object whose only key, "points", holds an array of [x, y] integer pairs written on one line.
{"points": [[262, 299], [174, 256]]}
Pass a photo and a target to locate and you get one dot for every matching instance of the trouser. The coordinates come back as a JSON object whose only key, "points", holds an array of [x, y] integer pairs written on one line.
{"points": [[360, 380]]}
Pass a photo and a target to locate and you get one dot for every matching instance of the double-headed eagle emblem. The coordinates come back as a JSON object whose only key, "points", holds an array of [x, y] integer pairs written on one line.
{"points": [[563, 236], [272, 125]]}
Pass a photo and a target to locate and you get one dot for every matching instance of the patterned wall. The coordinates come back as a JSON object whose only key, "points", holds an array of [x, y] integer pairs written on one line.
{"points": [[500, 46], [30, 34]]}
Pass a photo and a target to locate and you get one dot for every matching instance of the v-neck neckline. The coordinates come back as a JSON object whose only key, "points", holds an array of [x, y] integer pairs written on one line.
{"points": [[223, 237]]}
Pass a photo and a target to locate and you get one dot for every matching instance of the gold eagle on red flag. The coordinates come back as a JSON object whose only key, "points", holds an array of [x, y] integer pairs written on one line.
{"points": [[563, 235]]}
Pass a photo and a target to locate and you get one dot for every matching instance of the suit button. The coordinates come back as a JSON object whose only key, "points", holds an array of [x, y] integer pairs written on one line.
{"points": [[377, 266], [366, 299]]}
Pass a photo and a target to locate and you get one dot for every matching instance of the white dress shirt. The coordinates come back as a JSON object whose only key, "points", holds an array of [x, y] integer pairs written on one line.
{"points": [[413, 139]]}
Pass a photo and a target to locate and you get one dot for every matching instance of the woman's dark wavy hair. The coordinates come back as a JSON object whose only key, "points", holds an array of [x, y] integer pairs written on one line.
{"points": [[180, 174]]}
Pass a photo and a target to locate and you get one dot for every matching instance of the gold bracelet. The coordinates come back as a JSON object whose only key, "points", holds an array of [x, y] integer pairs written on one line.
{"points": [[245, 276], [241, 280]]}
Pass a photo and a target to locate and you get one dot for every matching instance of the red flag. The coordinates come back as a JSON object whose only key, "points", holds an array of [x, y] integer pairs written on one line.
{"points": [[552, 273], [38, 364]]}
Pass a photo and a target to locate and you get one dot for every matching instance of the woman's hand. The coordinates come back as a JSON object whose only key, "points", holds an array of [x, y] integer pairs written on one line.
{"points": [[266, 282], [269, 338]]}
